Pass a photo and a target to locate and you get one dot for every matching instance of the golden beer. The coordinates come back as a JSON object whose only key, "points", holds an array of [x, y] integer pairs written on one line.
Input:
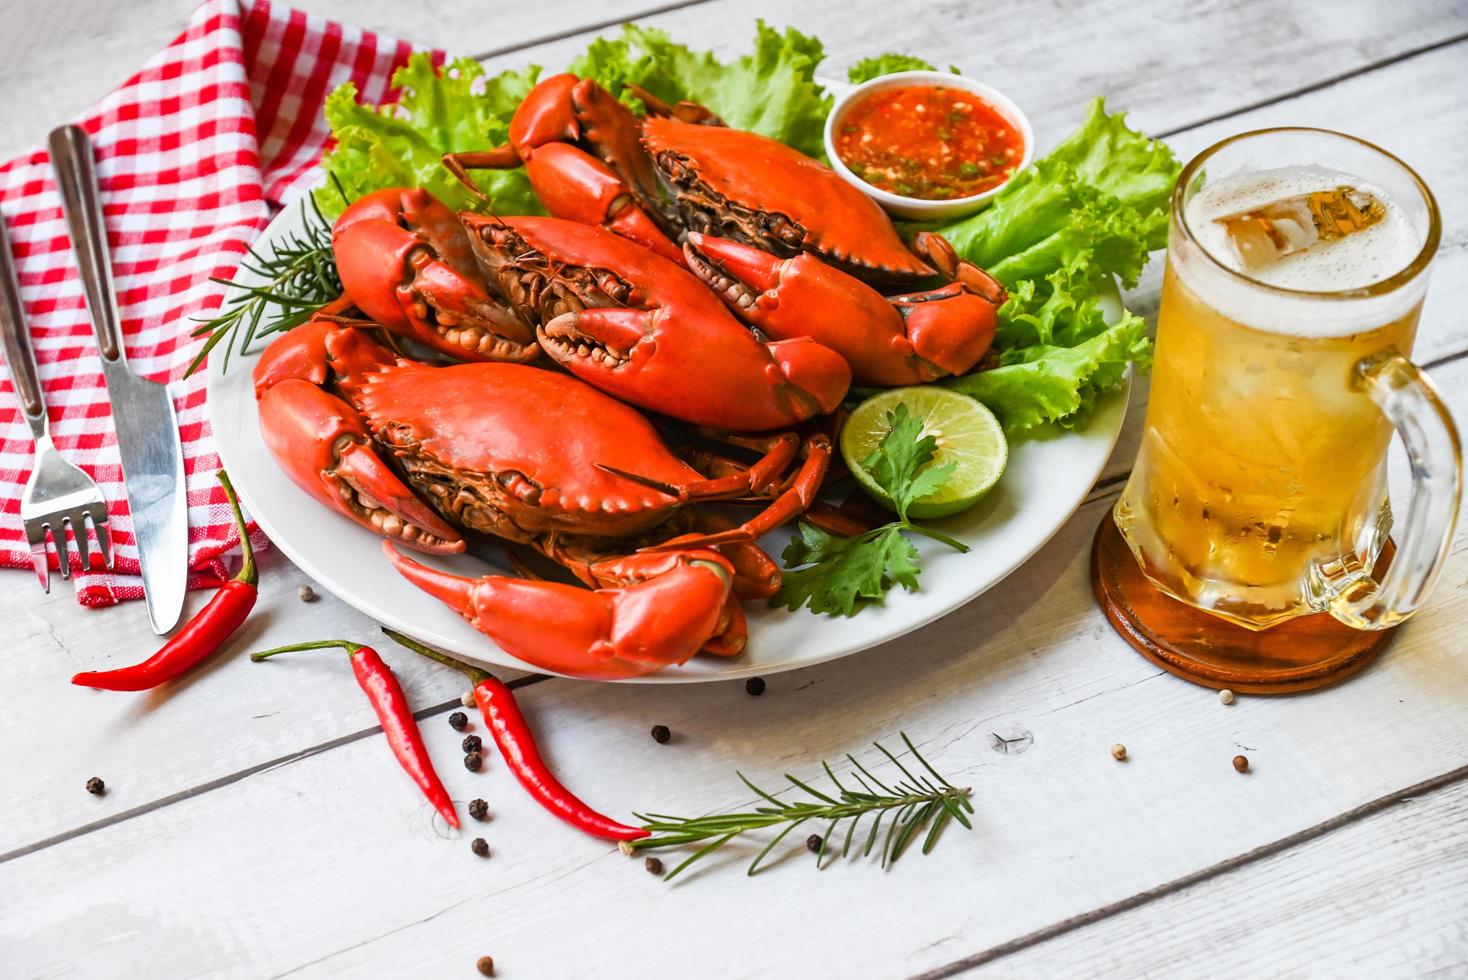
{"points": [[1259, 492]]}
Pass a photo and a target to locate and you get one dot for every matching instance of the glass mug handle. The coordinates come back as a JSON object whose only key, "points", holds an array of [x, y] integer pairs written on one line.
{"points": [[1410, 402]]}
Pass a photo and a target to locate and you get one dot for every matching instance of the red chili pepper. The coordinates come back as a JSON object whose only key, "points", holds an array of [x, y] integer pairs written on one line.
{"points": [[391, 704], [200, 636], [517, 744]]}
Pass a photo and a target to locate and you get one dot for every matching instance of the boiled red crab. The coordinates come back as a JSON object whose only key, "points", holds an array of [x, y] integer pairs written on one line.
{"points": [[631, 323], [542, 460], [790, 246]]}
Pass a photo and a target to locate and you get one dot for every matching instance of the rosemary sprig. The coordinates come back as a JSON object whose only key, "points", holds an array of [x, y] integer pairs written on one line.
{"points": [[297, 278], [918, 802]]}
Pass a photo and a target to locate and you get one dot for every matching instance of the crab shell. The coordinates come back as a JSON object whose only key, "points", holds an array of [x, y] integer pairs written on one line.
{"points": [[757, 174], [533, 441]]}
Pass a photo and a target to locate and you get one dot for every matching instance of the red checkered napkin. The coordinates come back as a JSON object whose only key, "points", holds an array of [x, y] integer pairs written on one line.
{"points": [[194, 153]]}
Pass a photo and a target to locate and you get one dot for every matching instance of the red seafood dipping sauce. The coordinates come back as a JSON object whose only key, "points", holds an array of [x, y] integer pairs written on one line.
{"points": [[929, 142]]}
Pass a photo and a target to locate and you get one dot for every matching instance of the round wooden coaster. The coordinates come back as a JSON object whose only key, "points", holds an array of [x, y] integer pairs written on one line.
{"points": [[1296, 655]]}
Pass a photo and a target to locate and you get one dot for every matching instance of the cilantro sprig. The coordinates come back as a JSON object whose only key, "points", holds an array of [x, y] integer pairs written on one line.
{"points": [[839, 576]]}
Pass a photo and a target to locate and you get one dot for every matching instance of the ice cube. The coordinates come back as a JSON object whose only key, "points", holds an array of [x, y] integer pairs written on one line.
{"points": [[1263, 235]]}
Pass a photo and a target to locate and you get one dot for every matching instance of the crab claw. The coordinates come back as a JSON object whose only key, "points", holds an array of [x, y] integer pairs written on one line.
{"points": [[886, 342], [406, 262], [321, 443], [958, 318], [756, 575], [300, 354], [547, 114], [732, 631], [951, 326], [606, 634], [660, 362]]}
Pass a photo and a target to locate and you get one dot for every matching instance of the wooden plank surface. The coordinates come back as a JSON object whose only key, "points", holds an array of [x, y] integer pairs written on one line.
{"points": [[225, 719], [1061, 828], [1379, 897], [121, 744], [272, 781], [58, 57]]}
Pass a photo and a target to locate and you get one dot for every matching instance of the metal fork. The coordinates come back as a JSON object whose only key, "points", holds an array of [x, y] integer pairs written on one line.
{"points": [[57, 495]]}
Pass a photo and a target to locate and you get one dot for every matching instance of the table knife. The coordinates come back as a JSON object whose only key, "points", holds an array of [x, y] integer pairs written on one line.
{"points": [[142, 410]]}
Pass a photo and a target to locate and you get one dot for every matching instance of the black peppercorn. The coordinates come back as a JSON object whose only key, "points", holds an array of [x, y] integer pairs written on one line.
{"points": [[813, 843], [755, 686], [96, 787], [479, 810], [660, 734], [653, 866], [480, 847], [473, 761], [458, 721], [472, 743]]}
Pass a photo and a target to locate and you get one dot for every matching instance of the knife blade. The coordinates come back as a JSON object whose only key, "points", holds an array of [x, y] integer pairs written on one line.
{"points": [[142, 410]]}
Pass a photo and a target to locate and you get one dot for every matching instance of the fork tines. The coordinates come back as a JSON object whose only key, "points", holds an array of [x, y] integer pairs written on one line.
{"points": [[79, 520]]}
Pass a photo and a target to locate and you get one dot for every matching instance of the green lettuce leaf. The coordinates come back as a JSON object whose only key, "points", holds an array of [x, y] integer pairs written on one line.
{"points": [[888, 64], [771, 91], [1045, 383], [1056, 235], [1104, 188], [446, 110], [1117, 160]]}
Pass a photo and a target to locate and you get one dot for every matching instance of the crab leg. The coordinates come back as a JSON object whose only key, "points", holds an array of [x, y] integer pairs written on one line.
{"points": [[683, 110], [577, 186], [756, 575], [940, 252], [795, 499], [604, 634], [779, 452]]}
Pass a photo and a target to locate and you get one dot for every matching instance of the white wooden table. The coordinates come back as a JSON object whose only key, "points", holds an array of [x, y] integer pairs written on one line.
{"points": [[254, 824]]}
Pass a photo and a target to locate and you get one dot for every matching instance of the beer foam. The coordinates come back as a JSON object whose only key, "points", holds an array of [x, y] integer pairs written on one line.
{"points": [[1360, 259]]}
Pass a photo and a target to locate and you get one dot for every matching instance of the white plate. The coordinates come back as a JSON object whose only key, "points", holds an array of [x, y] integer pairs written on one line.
{"points": [[1046, 481]]}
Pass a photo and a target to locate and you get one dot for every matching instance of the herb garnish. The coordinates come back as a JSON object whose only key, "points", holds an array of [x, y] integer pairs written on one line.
{"points": [[838, 576], [918, 801], [299, 278]]}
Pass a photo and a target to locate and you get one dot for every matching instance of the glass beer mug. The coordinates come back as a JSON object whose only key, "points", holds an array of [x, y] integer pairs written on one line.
{"points": [[1295, 275]]}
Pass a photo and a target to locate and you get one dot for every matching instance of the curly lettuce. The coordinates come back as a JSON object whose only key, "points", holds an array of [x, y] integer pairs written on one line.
{"points": [[889, 64], [1056, 235], [772, 90], [441, 110]]}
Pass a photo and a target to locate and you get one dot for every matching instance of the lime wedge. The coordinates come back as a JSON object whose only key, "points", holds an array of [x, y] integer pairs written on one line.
{"points": [[968, 434]]}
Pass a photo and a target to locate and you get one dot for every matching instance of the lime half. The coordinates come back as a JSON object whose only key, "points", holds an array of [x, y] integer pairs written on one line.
{"points": [[968, 434]]}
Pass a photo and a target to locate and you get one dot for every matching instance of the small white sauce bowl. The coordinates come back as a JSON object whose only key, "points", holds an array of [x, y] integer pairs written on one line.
{"points": [[916, 208]]}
